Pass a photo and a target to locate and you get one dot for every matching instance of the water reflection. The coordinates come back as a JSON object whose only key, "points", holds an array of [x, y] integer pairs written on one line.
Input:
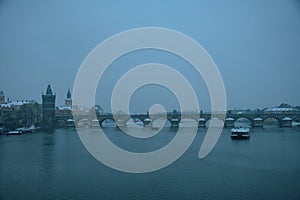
{"points": [[57, 166], [46, 170]]}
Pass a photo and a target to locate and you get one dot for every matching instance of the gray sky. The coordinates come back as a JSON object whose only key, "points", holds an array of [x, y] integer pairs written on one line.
{"points": [[255, 44]]}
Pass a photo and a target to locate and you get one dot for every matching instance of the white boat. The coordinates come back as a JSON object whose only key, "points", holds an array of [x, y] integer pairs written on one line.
{"points": [[14, 132], [240, 133], [26, 130], [2, 130]]}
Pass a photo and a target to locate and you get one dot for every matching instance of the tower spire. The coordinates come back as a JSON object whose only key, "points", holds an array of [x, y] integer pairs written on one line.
{"points": [[68, 101], [69, 94], [2, 97], [49, 90]]}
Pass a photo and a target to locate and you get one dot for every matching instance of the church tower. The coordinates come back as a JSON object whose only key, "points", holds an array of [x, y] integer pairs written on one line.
{"points": [[48, 112], [68, 101], [2, 97]]}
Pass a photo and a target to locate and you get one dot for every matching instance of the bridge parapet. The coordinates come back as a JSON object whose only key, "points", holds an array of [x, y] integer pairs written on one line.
{"points": [[256, 119]]}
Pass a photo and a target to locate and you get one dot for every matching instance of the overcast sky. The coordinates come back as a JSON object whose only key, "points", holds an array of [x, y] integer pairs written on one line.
{"points": [[255, 44]]}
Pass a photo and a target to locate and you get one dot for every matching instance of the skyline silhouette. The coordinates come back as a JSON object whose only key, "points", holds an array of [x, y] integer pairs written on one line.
{"points": [[257, 52]]}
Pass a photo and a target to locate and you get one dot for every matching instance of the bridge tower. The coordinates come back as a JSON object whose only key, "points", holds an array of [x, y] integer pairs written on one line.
{"points": [[48, 108]]}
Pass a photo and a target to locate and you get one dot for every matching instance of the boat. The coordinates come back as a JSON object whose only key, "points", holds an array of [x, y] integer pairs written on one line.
{"points": [[2, 131], [240, 133], [30, 129], [14, 132]]}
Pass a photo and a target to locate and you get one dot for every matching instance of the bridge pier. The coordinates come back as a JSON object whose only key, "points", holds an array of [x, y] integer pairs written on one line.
{"points": [[120, 123], [286, 122], [257, 122], [256, 118], [229, 122], [202, 122], [174, 122], [147, 122]]}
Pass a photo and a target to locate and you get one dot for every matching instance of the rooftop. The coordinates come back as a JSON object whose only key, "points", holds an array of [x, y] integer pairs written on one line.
{"points": [[280, 109], [64, 108], [16, 103]]}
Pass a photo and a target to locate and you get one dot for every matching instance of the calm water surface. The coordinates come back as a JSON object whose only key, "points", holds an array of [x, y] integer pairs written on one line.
{"points": [[57, 166]]}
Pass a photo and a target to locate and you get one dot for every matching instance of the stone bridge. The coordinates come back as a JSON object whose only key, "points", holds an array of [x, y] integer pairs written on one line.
{"points": [[255, 118], [121, 119]]}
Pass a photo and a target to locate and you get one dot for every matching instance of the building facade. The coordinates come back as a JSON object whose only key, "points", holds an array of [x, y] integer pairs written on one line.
{"points": [[21, 113], [63, 114]]}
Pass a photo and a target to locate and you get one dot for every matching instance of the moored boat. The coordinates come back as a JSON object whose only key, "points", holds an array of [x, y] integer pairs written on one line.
{"points": [[2, 131], [240, 133], [29, 129], [14, 132]]}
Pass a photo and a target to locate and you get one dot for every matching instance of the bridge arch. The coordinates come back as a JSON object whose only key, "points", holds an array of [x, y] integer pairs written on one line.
{"points": [[60, 122], [157, 122], [95, 123], [188, 122], [103, 120], [107, 123], [134, 121], [296, 118], [83, 122], [271, 120], [296, 121], [243, 121], [207, 123]]}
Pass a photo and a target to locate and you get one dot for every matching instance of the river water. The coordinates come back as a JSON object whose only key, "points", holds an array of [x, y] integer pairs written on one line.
{"points": [[57, 166]]}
